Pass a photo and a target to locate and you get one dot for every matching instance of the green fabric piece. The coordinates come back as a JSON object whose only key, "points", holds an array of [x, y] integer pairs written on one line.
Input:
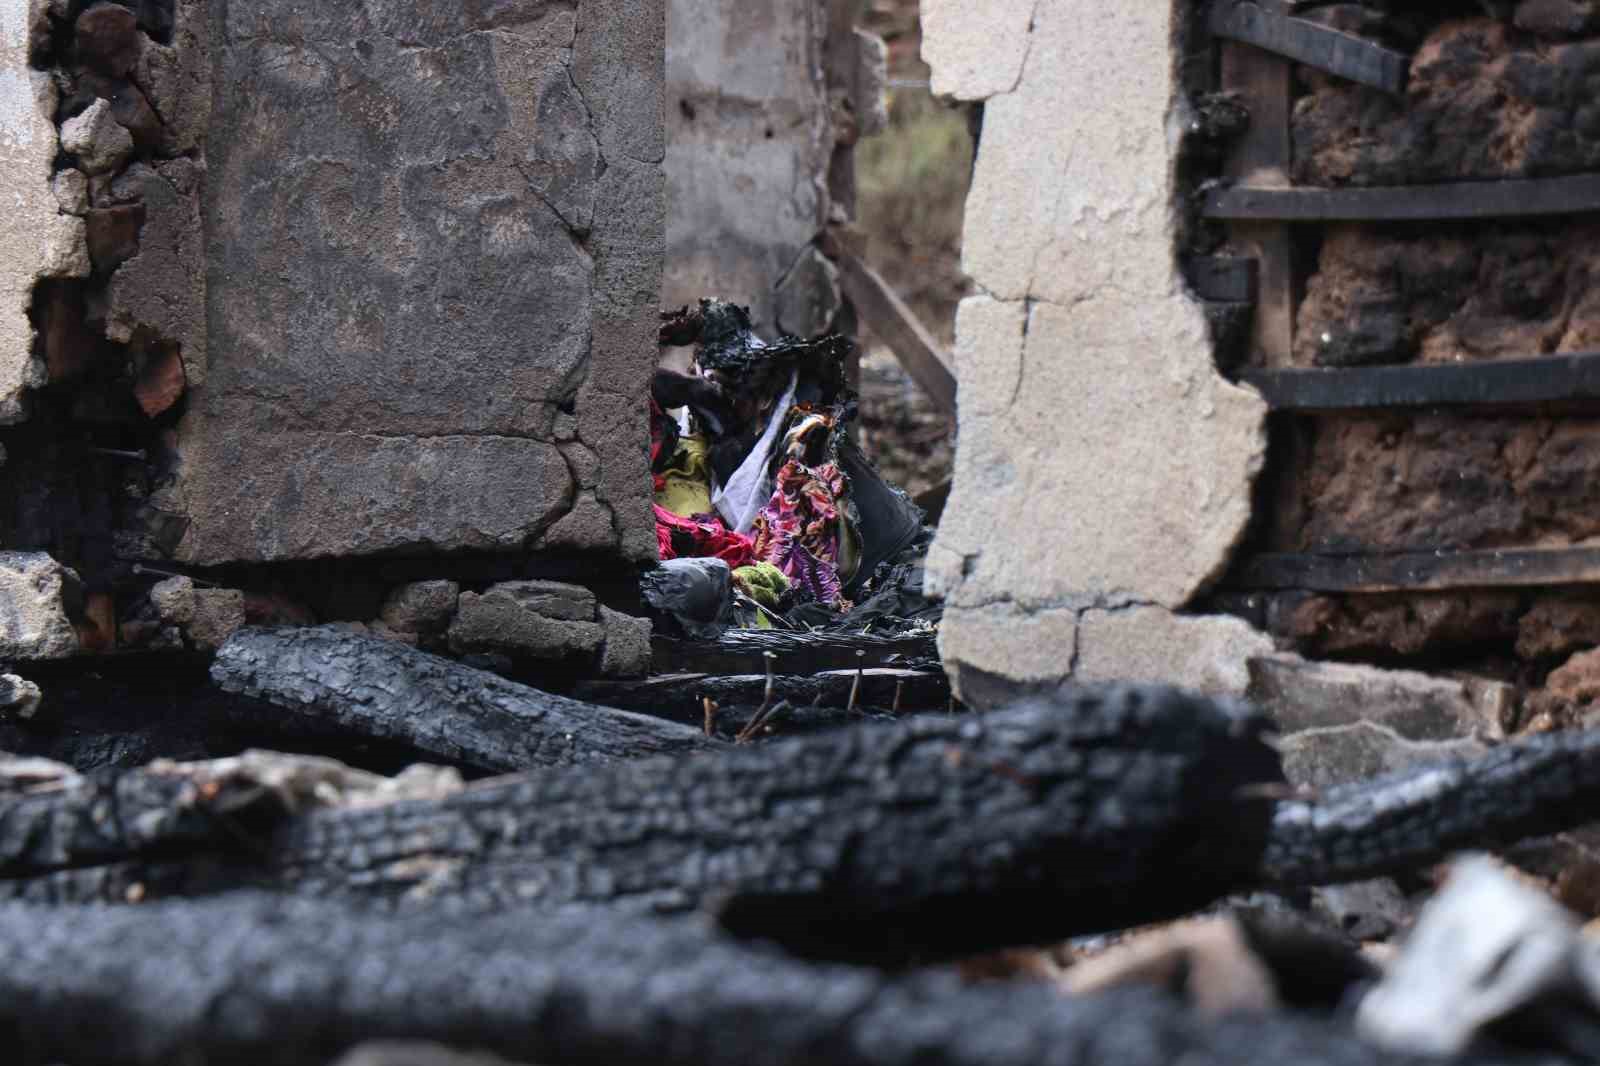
{"points": [[763, 583]]}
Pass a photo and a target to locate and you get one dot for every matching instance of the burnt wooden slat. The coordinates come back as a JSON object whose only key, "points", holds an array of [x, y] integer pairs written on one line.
{"points": [[1340, 54], [1522, 198], [1224, 278], [1421, 571], [1264, 84], [1545, 379]]}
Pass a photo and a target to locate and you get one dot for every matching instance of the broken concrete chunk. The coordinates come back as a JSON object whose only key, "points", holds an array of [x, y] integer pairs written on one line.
{"points": [[173, 600], [1301, 695], [107, 39], [207, 616], [527, 619], [71, 188], [553, 599], [19, 696], [421, 607], [218, 613], [34, 591], [66, 253], [97, 139], [627, 647], [1484, 947], [1337, 755]]}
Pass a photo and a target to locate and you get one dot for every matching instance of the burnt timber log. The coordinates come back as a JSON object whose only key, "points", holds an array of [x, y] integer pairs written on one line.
{"points": [[384, 690], [261, 981], [930, 837], [933, 837]]}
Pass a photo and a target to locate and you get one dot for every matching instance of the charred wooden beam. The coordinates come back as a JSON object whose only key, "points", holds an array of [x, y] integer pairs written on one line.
{"points": [[934, 836], [1498, 383], [385, 690], [1270, 25], [1419, 571], [286, 982], [1519, 198]]}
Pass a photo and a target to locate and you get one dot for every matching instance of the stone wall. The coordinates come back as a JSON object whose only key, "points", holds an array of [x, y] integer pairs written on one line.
{"points": [[1105, 467], [363, 282], [765, 101], [400, 267]]}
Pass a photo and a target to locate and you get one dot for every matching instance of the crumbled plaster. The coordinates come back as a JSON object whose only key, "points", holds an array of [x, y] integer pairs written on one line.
{"points": [[1103, 460], [39, 240]]}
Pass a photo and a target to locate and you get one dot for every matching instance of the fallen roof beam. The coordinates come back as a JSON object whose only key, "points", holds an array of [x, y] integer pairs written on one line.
{"points": [[882, 309]]}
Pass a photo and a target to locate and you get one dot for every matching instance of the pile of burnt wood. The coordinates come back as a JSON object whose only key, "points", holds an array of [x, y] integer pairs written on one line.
{"points": [[638, 891]]}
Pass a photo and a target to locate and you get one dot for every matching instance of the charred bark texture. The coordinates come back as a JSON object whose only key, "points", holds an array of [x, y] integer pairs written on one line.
{"points": [[384, 690], [929, 838], [280, 982], [1532, 787], [938, 835]]}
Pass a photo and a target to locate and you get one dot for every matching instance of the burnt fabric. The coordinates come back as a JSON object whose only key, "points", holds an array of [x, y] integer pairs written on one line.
{"points": [[801, 530], [701, 537]]}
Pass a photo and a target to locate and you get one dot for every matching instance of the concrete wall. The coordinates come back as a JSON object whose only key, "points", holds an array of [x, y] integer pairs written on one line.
{"points": [[756, 120], [1104, 469]]}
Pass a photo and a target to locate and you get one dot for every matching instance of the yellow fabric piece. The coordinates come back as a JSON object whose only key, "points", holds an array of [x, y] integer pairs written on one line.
{"points": [[686, 483]]}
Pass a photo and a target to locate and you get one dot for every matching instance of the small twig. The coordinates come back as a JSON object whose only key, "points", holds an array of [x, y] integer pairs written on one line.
{"points": [[122, 453], [899, 688], [711, 715], [766, 701], [855, 686]]}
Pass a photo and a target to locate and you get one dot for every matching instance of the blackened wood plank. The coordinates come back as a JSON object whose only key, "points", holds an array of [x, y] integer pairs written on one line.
{"points": [[1341, 54], [1544, 379], [1261, 158], [1523, 198], [891, 319], [1421, 570]]}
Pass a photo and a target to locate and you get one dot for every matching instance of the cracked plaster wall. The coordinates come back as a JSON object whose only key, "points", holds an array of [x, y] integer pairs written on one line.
{"points": [[433, 242], [39, 240], [1105, 467]]}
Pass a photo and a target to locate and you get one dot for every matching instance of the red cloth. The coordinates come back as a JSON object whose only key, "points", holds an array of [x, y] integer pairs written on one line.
{"points": [[703, 537]]}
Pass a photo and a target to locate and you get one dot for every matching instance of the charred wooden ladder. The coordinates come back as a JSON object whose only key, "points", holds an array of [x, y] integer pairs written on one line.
{"points": [[1260, 40]]}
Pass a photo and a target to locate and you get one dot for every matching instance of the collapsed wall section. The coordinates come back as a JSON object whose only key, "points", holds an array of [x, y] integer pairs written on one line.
{"points": [[1105, 467]]}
